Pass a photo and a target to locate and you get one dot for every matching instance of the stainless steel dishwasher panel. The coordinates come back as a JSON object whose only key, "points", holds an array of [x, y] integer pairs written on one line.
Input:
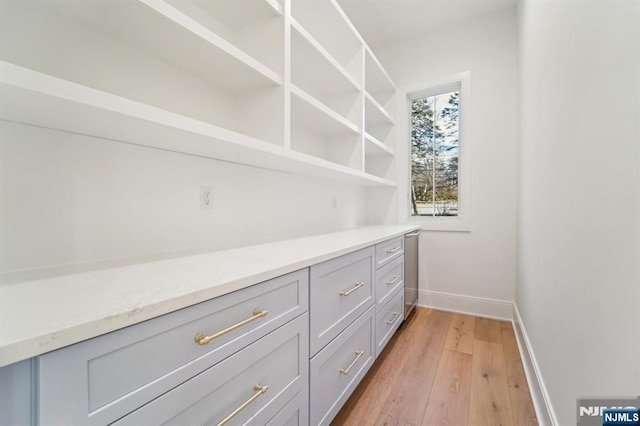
{"points": [[410, 272]]}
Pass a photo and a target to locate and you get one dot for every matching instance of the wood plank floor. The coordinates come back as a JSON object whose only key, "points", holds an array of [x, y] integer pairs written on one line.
{"points": [[443, 368]]}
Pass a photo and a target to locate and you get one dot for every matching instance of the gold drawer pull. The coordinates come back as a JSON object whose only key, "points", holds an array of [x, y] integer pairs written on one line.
{"points": [[358, 285], [259, 391], [345, 371], [392, 320], [396, 278], [393, 250], [203, 340]]}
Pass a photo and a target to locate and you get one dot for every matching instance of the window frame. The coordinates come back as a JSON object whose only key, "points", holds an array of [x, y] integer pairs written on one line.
{"points": [[461, 222]]}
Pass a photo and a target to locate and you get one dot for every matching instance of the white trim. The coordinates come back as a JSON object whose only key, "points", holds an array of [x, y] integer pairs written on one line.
{"points": [[463, 221], [537, 389], [471, 305]]}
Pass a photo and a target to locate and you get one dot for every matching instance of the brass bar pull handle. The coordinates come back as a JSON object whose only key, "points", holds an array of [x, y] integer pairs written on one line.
{"points": [[358, 285], [203, 340], [392, 320], [345, 371], [393, 250], [396, 278], [259, 391]]}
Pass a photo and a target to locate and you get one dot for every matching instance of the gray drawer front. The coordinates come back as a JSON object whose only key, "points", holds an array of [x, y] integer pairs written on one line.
{"points": [[389, 279], [329, 387], [388, 320], [277, 360], [331, 312], [295, 413], [388, 250], [110, 376]]}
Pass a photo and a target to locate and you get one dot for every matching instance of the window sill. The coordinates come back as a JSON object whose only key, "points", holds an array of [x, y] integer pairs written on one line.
{"points": [[450, 224]]}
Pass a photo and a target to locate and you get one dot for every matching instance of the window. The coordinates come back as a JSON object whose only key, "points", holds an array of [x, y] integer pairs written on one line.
{"points": [[434, 154], [438, 150]]}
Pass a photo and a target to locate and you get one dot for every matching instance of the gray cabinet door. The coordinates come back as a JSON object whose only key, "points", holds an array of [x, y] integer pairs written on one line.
{"points": [[389, 279], [278, 360], [341, 289], [388, 250], [337, 369], [388, 320], [16, 394], [295, 413], [107, 377]]}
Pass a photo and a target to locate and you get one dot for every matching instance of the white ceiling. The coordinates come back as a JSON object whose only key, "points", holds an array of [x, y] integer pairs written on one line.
{"points": [[383, 22]]}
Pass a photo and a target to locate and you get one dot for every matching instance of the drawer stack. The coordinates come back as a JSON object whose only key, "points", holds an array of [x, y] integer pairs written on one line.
{"points": [[357, 303], [341, 318], [389, 290], [248, 345]]}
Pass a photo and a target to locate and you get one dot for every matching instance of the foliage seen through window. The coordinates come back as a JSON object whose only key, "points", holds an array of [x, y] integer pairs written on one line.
{"points": [[434, 155]]}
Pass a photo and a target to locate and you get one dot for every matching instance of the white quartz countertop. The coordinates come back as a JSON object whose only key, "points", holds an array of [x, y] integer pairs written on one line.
{"points": [[43, 315]]}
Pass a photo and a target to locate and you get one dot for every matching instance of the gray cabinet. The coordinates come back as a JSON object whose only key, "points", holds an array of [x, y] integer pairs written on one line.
{"points": [[262, 378], [338, 368], [16, 393], [388, 320], [107, 377], [389, 279], [389, 290], [288, 351], [295, 413], [355, 307], [341, 289], [389, 250]]}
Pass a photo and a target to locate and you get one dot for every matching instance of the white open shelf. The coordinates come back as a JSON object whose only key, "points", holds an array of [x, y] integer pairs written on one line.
{"points": [[378, 84], [238, 14], [317, 73], [378, 157], [380, 166], [317, 130], [328, 24], [253, 26], [374, 147], [160, 30], [318, 116], [206, 78], [129, 49], [375, 114], [34, 98]]}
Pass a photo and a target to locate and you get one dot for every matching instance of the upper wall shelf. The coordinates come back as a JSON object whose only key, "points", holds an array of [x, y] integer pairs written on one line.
{"points": [[161, 30], [317, 73], [240, 14], [253, 82], [375, 113], [374, 147], [318, 116], [328, 24], [377, 82], [34, 98]]}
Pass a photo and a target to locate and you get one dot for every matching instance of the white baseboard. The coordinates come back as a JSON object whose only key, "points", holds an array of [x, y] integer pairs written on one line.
{"points": [[539, 394], [478, 306]]}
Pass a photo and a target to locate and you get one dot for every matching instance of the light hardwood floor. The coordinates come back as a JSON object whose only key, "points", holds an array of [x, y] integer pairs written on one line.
{"points": [[443, 368]]}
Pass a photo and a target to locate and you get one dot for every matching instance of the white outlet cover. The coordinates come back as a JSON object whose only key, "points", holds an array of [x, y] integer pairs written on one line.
{"points": [[206, 197]]}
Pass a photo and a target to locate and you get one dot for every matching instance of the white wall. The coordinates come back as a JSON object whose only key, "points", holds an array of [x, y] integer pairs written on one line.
{"points": [[68, 198], [578, 286], [480, 263]]}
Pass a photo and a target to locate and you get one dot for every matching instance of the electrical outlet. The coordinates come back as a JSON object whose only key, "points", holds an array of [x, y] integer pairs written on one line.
{"points": [[206, 198]]}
